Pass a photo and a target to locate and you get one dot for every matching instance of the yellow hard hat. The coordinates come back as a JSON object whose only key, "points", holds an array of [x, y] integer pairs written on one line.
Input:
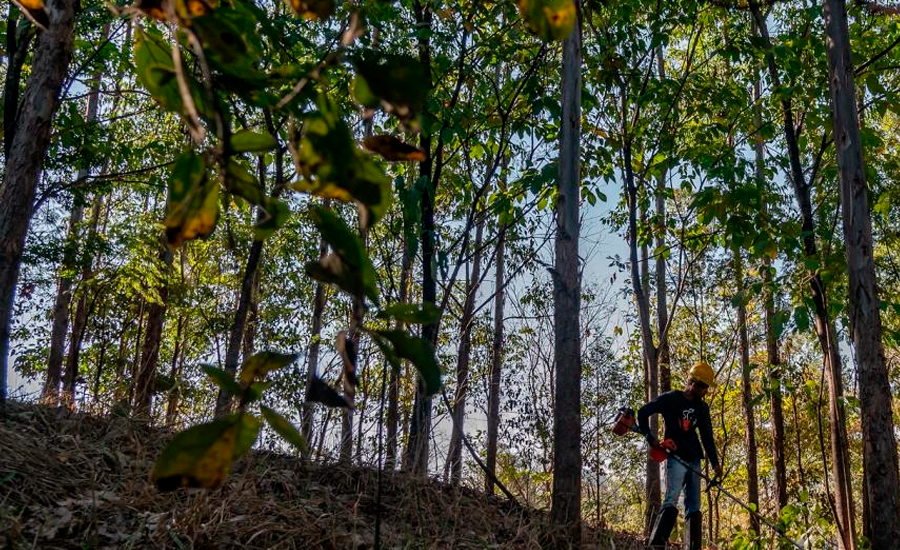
{"points": [[702, 372]]}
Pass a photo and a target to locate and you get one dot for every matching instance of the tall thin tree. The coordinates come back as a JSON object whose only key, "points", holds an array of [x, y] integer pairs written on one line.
{"points": [[879, 442], [565, 510]]}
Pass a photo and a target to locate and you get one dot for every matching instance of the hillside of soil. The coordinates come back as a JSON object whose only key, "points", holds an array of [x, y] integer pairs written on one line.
{"points": [[81, 482]]}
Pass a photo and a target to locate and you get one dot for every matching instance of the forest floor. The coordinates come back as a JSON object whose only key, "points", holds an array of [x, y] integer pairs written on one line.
{"points": [[81, 481]]}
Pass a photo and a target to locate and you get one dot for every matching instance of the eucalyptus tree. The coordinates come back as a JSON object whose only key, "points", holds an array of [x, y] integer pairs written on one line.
{"points": [[880, 446]]}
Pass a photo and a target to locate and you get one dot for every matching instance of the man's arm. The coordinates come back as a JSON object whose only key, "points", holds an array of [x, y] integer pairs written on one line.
{"points": [[643, 415], [709, 443]]}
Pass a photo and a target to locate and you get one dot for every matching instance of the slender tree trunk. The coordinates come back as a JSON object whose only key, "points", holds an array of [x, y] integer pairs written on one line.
{"points": [[175, 372], [879, 443], [60, 322], [239, 325], [662, 308], [651, 384], [454, 458], [26, 154], [351, 361], [61, 314], [79, 323], [825, 330], [395, 376], [565, 510], [312, 363], [772, 352], [496, 367], [145, 381], [416, 459], [747, 394], [18, 39], [639, 293]]}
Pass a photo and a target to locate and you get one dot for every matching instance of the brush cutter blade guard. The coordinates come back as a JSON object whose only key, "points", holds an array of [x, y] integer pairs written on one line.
{"points": [[624, 422]]}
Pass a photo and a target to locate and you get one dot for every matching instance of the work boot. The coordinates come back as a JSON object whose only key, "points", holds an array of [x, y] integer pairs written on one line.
{"points": [[693, 530], [664, 524]]}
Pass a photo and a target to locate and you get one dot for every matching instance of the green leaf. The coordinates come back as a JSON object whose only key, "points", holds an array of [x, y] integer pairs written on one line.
{"points": [[277, 214], [240, 181], [417, 350], [549, 19], [201, 456], [247, 431], [192, 208], [319, 392], [801, 319], [260, 364], [156, 72], [332, 165], [412, 313], [349, 267], [284, 428], [247, 141], [222, 379], [399, 81]]}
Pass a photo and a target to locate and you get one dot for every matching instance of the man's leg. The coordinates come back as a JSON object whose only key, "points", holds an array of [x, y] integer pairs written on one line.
{"points": [[693, 518], [668, 514]]}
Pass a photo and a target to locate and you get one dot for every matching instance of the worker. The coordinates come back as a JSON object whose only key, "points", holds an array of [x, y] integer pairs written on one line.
{"points": [[684, 414]]}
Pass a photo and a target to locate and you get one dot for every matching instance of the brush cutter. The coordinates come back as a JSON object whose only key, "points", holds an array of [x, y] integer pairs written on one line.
{"points": [[659, 451]]}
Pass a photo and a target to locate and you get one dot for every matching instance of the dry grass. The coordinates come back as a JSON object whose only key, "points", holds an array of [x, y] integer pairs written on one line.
{"points": [[81, 482]]}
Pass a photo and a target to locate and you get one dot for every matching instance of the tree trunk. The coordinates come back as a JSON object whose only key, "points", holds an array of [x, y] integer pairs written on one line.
{"points": [[493, 413], [145, 381], [565, 510], [825, 331], [26, 154], [18, 39], [879, 443], [395, 376], [662, 308], [416, 458], [747, 394], [312, 363], [60, 322], [239, 325], [79, 322], [175, 372], [454, 458], [642, 301], [772, 354]]}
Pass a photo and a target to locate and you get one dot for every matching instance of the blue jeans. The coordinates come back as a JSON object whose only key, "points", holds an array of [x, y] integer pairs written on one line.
{"points": [[679, 477]]}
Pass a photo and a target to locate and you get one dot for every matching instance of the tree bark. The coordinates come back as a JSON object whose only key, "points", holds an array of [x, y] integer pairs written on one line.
{"points": [[747, 394], [239, 325], [175, 372], [79, 322], [565, 510], [416, 457], [18, 39], [395, 376], [879, 443], [312, 363], [772, 352], [454, 455], [145, 381], [26, 154], [825, 331], [496, 368]]}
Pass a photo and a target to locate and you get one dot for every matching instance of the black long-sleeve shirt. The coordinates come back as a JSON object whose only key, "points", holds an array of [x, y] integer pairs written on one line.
{"points": [[683, 418]]}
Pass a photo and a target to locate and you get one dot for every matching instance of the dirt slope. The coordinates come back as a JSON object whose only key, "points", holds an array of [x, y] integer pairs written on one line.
{"points": [[81, 482]]}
